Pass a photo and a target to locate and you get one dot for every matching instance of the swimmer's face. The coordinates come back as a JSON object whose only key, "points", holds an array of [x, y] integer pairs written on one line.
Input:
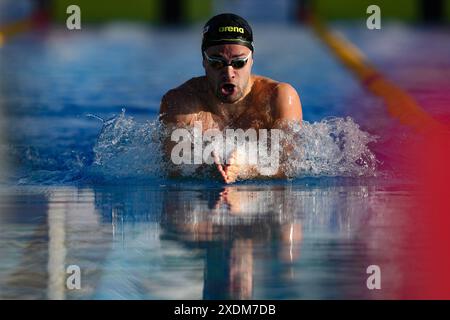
{"points": [[229, 83]]}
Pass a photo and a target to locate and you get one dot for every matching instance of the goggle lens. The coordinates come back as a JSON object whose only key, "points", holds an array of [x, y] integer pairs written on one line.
{"points": [[218, 63]]}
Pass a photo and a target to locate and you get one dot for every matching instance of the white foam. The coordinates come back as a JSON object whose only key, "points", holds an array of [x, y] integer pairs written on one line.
{"points": [[331, 147]]}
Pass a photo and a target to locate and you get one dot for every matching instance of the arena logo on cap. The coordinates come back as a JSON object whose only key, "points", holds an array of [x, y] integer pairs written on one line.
{"points": [[231, 29]]}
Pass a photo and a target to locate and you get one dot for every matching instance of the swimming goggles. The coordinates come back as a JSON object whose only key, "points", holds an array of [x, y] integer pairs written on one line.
{"points": [[219, 63]]}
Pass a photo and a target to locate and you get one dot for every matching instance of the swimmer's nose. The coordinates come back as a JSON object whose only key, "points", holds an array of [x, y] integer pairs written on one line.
{"points": [[228, 73]]}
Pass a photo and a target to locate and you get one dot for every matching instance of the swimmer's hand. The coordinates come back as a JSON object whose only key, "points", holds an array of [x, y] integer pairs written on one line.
{"points": [[230, 170]]}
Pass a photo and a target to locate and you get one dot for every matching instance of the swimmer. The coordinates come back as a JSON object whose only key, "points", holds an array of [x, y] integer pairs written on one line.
{"points": [[229, 95]]}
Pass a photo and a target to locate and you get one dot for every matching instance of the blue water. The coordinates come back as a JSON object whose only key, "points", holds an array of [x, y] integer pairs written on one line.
{"points": [[90, 190]]}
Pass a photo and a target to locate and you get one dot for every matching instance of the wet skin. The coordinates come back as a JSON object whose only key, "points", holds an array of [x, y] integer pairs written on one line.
{"points": [[230, 98]]}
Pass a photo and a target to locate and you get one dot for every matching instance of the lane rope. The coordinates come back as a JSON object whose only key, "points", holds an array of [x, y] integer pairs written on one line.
{"points": [[11, 29], [399, 104]]}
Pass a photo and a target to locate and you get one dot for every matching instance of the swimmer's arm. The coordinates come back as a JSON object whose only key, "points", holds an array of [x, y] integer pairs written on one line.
{"points": [[172, 113], [175, 110], [286, 105], [287, 109]]}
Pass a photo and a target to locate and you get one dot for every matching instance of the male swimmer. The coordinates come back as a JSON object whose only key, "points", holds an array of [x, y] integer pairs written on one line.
{"points": [[229, 95]]}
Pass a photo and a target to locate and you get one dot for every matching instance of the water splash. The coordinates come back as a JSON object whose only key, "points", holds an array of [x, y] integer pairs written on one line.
{"points": [[127, 149], [331, 147]]}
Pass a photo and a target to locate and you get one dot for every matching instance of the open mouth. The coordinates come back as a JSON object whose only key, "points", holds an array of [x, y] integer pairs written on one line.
{"points": [[227, 89]]}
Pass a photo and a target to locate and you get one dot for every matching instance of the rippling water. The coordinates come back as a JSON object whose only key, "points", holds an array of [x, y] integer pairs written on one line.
{"points": [[332, 147], [272, 241]]}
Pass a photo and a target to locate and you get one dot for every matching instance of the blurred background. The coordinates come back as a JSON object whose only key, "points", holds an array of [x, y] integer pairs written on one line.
{"points": [[191, 11]]}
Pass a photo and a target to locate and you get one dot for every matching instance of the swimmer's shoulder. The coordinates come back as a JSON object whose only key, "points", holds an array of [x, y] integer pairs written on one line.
{"points": [[195, 86], [187, 90], [270, 85], [183, 100], [263, 83], [284, 98]]}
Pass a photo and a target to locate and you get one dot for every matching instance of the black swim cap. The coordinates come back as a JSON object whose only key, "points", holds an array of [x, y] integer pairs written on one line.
{"points": [[227, 28]]}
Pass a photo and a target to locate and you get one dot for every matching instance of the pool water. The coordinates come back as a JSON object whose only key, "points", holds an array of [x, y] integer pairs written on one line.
{"points": [[89, 192]]}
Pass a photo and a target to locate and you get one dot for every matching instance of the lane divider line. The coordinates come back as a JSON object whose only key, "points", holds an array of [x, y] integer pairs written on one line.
{"points": [[11, 29], [399, 104]]}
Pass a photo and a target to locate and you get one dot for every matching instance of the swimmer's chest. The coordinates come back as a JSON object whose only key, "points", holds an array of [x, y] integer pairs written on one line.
{"points": [[257, 115], [257, 119]]}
